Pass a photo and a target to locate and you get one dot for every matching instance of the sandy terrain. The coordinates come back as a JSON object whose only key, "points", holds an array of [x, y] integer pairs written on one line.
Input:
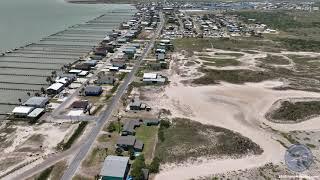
{"points": [[240, 108], [30, 144]]}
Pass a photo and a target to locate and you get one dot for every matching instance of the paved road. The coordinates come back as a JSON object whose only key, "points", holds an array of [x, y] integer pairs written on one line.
{"points": [[76, 162]]}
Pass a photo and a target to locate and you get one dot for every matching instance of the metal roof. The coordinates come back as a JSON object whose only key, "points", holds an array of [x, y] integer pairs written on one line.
{"points": [[22, 110], [36, 101], [55, 86], [114, 166], [149, 75], [126, 140], [35, 113]]}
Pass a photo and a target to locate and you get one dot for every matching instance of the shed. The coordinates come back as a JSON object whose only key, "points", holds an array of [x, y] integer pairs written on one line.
{"points": [[115, 168], [93, 90], [37, 102]]}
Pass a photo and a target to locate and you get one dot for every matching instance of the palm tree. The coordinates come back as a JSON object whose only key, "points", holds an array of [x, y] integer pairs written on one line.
{"points": [[28, 93], [20, 100]]}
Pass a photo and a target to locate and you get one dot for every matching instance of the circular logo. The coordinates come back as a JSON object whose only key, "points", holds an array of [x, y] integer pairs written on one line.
{"points": [[298, 158]]}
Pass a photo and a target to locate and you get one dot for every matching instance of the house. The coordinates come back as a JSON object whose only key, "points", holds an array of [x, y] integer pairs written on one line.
{"points": [[120, 64], [22, 111], [75, 71], [83, 66], [80, 105], [71, 77], [128, 128], [91, 63], [153, 78], [128, 142], [105, 78], [64, 80], [37, 102], [101, 51], [115, 168], [135, 104], [93, 90], [55, 88]]}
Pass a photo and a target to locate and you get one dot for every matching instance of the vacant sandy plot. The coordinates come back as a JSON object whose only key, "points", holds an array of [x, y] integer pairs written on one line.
{"points": [[240, 108]]}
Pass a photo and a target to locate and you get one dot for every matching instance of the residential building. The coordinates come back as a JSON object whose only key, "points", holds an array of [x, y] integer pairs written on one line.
{"points": [[37, 102], [115, 168], [55, 88], [128, 128], [93, 90], [22, 111], [128, 142]]}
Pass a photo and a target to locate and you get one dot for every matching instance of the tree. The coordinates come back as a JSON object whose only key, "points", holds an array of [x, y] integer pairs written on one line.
{"points": [[137, 167], [28, 93], [111, 127], [154, 166], [119, 151], [43, 91], [20, 100], [37, 94]]}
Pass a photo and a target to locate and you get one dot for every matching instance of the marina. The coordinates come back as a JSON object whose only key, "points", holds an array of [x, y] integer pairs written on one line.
{"points": [[24, 70]]}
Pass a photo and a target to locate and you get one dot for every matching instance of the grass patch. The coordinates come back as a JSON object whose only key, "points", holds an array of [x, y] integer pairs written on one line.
{"points": [[44, 175], [230, 54], [186, 139], [148, 135], [311, 145], [296, 111], [289, 137], [199, 44], [219, 62], [273, 59], [96, 157], [232, 76], [295, 44], [74, 136]]}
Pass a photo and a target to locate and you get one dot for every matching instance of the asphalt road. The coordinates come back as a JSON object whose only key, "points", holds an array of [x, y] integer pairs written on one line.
{"points": [[76, 161]]}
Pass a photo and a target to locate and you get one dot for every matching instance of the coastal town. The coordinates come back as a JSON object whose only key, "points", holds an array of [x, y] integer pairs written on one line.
{"points": [[166, 90]]}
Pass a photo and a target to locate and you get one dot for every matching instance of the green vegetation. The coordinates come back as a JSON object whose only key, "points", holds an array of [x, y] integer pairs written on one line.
{"points": [[114, 88], [296, 111], [96, 157], [230, 54], [73, 137], [219, 62], [232, 76], [295, 44], [186, 139], [311, 145], [273, 59], [198, 44], [289, 138], [147, 134], [154, 167], [275, 19], [44, 175], [113, 127], [137, 167]]}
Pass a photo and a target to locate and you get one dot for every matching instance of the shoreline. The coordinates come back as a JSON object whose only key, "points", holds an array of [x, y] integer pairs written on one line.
{"points": [[100, 2]]}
